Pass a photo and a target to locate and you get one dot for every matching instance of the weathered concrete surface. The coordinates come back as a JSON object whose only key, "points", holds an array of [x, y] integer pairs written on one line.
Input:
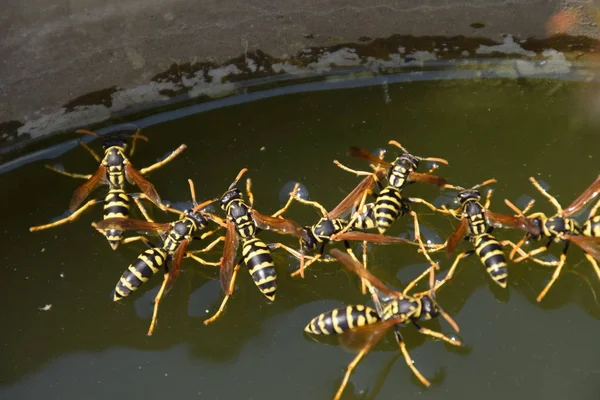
{"points": [[56, 50]]}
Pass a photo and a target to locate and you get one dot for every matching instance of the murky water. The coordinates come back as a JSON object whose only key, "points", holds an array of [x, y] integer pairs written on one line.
{"points": [[88, 347]]}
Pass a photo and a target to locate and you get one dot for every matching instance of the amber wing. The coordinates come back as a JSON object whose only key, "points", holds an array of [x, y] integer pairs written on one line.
{"points": [[133, 175], [82, 192]]}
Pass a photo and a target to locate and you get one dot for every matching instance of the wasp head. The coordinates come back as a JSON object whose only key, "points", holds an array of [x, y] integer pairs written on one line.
{"points": [[229, 196]]}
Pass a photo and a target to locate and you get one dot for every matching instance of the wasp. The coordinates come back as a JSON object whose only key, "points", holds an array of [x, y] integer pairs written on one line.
{"points": [[332, 227], [389, 204], [366, 326], [243, 223], [115, 167], [402, 171], [476, 225], [175, 238], [561, 228]]}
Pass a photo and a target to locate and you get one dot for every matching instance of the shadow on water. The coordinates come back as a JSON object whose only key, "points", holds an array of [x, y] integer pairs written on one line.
{"points": [[85, 346]]}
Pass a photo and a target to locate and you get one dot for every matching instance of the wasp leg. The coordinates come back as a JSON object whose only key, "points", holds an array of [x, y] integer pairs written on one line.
{"points": [[408, 359], [488, 199], [70, 218], [594, 263], [515, 247], [69, 174], [555, 275], [224, 302], [594, 210], [420, 241], [136, 198], [414, 282], [157, 300], [211, 244], [312, 203], [352, 171], [201, 260], [454, 265], [167, 159], [289, 201], [547, 195], [363, 352], [437, 335], [134, 239], [442, 210], [535, 252]]}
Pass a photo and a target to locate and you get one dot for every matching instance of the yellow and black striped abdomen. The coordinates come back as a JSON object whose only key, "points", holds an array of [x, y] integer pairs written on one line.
{"points": [[591, 227], [388, 207], [257, 257], [366, 219], [147, 264], [116, 205], [489, 251], [341, 320]]}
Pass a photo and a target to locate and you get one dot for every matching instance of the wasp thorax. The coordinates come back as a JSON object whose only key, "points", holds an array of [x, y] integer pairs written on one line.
{"points": [[229, 197], [181, 228]]}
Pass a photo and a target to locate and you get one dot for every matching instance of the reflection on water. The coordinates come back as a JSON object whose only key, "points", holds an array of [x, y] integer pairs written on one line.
{"points": [[88, 347]]}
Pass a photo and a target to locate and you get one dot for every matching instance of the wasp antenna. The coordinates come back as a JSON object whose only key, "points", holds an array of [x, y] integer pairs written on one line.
{"points": [[395, 143], [86, 132], [237, 178], [434, 159], [193, 192], [484, 183]]}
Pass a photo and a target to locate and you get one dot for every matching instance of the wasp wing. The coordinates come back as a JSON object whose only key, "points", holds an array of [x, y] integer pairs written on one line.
{"points": [[80, 194], [370, 237], [355, 267], [134, 176], [512, 221], [126, 224], [353, 197], [280, 225], [589, 244], [457, 236], [364, 338], [175, 266], [229, 251], [427, 178], [365, 155], [588, 194]]}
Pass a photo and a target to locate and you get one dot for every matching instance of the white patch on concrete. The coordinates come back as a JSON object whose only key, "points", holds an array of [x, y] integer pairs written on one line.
{"points": [[344, 57], [556, 63], [61, 121], [508, 47]]}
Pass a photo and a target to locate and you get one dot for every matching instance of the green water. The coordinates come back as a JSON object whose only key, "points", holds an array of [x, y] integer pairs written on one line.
{"points": [[87, 347]]}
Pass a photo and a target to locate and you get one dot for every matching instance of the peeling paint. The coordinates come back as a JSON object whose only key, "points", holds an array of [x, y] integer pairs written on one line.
{"points": [[381, 56]]}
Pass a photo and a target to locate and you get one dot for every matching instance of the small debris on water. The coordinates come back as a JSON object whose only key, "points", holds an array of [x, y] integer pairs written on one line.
{"points": [[263, 148], [47, 307]]}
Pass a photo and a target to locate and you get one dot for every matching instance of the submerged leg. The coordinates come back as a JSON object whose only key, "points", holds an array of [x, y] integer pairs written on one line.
{"points": [[555, 275], [70, 218], [157, 300], [224, 302], [450, 273], [289, 201], [408, 359], [437, 335], [161, 163], [69, 174]]}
